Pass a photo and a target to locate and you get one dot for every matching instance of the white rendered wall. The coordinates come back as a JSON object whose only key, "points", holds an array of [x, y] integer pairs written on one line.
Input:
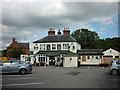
{"points": [[111, 52], [70, 63], [71, 44], [91, 61]]}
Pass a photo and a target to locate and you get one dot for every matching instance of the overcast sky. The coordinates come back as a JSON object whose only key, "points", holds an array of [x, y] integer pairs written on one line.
{"points": [[29, 21]]}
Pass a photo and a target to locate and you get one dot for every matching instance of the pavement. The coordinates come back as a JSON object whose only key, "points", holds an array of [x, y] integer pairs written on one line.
{"points": [[60, 77]]}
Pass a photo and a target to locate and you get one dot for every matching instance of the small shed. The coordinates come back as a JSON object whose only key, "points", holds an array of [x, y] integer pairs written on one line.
{"points": [[70, 60]]}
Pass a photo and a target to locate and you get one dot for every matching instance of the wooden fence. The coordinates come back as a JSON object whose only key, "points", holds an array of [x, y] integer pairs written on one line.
{"points": [[108, 60]]}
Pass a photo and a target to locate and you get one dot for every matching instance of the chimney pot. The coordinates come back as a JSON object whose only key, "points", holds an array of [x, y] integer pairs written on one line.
{"points": [[66, 31], [59, 33], [14, 40], [51, 31]]}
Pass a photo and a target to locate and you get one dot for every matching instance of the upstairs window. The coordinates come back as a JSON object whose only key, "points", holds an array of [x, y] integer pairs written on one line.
{"points": [[42, 46], [58, 46], [48, 47], [66, 46], [53, 46]]}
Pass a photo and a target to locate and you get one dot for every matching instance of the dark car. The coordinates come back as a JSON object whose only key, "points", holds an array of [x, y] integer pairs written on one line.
{"points": [[15, 66]]}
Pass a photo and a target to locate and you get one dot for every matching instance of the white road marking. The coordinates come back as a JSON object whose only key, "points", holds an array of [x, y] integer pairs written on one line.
{"points": [[20, 78], [23, 84]]}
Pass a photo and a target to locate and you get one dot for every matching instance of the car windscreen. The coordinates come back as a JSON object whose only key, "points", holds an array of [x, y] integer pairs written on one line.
{"points": [[8, 61], [118, 62]]}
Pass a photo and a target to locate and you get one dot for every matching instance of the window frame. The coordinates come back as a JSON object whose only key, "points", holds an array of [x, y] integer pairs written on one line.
{"points": [[53, 46]]}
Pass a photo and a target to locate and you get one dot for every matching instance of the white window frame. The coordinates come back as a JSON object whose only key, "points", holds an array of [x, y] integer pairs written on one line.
{"points": [[53, 46], [65, 46]]}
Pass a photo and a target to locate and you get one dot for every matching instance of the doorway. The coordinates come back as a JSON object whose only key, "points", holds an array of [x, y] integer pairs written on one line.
{"points": [[51, 60], [83, 58]]}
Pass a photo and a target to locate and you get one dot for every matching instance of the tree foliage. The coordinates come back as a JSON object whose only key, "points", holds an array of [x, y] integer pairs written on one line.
{"points": [[90, 40], [85, 38]]}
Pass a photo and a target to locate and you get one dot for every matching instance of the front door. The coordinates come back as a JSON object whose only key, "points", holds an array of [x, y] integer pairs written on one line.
{"points": [[83, 58], [52, 60]]}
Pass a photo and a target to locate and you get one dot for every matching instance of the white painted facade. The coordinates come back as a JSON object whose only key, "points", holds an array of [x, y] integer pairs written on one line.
{"points": [[111, 52], [91, 60], [74, 46], [27, 58], [70, 61]]}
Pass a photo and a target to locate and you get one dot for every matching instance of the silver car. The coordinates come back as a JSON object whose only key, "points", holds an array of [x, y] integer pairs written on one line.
{"points": [[114, 67], [15, 66]]}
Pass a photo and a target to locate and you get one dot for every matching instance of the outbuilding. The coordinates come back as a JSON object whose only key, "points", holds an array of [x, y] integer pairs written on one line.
{"points": [[70, 60]]}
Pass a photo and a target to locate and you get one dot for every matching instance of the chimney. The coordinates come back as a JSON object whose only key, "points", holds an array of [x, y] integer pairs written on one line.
{"points": [[51, 32], [14, 40], [59, 33], [66, 31]]}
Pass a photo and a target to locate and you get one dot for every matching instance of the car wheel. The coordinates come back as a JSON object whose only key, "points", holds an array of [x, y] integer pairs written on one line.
{"points": [[114, 72], [23, 71]]}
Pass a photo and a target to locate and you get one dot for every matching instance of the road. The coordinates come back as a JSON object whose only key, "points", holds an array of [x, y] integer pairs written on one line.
{"points": [[60, 77]]}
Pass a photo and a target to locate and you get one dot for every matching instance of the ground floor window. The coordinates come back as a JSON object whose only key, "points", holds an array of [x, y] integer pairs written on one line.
{"points": [[88, 57], [116, 56], [96, 57], [42, 58]]}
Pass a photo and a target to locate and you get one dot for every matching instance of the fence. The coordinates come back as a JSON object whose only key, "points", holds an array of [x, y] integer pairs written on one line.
{"points": [[108, 60]]}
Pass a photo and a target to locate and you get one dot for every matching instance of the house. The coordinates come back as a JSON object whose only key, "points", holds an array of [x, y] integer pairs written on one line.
{"points": [[17, 46], [90, 56], [51, 49], [110, 55]]}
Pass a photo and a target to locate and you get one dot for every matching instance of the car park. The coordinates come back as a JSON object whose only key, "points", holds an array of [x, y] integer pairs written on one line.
{"points": [[114, 67], [15, 66]]}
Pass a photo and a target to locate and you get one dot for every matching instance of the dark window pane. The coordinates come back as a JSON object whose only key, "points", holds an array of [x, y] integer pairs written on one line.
{"points": [[116, 56]]}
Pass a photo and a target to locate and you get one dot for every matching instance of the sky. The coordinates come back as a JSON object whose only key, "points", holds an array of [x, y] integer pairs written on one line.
{"points": [[30, 20]]}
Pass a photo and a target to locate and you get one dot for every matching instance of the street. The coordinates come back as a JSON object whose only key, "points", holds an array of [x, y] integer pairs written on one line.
{"points": [[60, 77]]}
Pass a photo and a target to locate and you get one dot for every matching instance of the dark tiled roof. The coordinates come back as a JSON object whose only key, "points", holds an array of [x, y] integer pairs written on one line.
{"points": [[53, 53], [90, 52], [23, 45], [71, 54], [56, 38]]}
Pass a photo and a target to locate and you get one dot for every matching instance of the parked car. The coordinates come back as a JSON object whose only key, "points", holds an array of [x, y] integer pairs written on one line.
{"points": [[15, 66], [114, 67]]}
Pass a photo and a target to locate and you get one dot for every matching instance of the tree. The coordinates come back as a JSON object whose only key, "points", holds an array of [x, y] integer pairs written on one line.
{"points": [[90, 40], [85, 37], [16, 53], [4, 53]]}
